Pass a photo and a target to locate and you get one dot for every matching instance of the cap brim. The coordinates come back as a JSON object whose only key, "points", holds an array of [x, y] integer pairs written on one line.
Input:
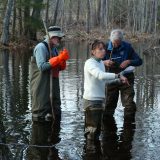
{"points": [[55, 34]]}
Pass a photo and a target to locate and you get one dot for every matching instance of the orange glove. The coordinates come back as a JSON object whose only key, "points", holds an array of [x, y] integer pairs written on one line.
{"points": [[64, 55], [62, 65], [54, 61]]}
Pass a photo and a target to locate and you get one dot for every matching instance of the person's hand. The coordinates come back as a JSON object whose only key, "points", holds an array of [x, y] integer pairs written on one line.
{"points": [[108, 63], [64, 55], [124, 80], [125, 64], [54, 61]]}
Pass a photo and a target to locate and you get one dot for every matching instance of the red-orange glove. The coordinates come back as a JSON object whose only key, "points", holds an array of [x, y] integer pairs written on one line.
{"points": [[62, 65], [64, 55], [54, 61]]}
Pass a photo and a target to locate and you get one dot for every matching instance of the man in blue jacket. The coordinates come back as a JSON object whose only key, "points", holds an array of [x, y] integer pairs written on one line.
{"points": [[120, 57]]}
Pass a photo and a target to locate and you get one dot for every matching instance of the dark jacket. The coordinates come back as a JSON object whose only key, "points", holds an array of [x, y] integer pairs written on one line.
{"points": [[124, 52]]}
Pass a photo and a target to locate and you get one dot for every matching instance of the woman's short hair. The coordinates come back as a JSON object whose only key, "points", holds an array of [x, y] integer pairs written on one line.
{"points": [[96, 44]]}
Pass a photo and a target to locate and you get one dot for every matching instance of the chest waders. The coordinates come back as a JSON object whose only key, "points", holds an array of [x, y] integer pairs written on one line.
{"points": [[51, 84], [126, 92]]}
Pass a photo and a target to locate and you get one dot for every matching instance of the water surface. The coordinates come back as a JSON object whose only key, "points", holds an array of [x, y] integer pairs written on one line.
{"points": [[39, 141]]}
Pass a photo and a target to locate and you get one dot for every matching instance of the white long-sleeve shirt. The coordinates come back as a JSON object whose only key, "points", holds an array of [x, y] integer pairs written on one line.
{"points": [[95, 79]]}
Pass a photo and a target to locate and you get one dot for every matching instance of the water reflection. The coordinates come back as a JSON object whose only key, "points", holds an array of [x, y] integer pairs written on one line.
{"points": [[14, 83], [139, 140], [112, 146], [92, 150], [4, 150], [45, 135], [14, 99]]}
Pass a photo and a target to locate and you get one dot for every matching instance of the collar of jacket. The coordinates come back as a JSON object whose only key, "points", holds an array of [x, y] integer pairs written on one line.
{"points": [[110, 46]]}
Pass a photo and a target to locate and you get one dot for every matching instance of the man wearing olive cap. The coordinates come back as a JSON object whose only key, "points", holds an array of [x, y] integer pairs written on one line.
{"points": [[44, 63]]}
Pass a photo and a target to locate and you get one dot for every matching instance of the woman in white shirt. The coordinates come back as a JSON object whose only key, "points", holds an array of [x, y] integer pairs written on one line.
{"points": [[95, 79]]}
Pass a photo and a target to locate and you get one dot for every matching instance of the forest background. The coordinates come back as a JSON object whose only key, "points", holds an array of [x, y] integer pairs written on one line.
{"points": [[79, 19]]}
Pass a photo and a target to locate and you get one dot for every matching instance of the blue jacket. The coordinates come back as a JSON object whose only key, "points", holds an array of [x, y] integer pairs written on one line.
{"points": [[122, 53], [42, 56]]}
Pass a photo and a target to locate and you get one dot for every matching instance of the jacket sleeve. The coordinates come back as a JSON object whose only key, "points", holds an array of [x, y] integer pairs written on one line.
{"points": [[134, 58], [40, 54], [98, 73]]}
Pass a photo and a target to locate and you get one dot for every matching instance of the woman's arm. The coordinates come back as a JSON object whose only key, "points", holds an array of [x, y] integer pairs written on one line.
{"points": [[98, 73]]}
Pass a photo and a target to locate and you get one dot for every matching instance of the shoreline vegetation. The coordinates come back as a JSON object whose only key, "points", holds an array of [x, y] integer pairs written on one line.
{"points": [[22, 22], [78, 35]]}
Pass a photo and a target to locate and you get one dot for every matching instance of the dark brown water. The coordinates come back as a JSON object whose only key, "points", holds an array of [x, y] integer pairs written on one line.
{"points": [[22, 139]]}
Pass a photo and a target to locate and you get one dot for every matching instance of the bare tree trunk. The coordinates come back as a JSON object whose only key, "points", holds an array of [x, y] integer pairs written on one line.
{"points": [[63, 14], [47, 11], [151, 17], [155, 19], [5, 28], [98, 11], [134, 17], [92, 12], [129, 14], [146, 16], [35, 19], [137, 16], [56, 12], [78, 9], [14, 20], [103, 14], [142, 13], [20, 18], [70, 12], [88, 15], [27, 19]]}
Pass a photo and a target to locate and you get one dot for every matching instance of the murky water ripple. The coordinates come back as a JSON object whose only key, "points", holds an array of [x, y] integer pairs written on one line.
{"points": [[139, 141]]}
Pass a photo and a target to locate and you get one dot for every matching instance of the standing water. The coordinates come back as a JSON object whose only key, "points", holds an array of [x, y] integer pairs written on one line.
{"points": [[22, 139]]}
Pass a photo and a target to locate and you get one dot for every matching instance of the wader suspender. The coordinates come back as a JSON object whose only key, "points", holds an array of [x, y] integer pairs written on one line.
{"points": [[55, 50], [45, 43], [51, 96]]}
